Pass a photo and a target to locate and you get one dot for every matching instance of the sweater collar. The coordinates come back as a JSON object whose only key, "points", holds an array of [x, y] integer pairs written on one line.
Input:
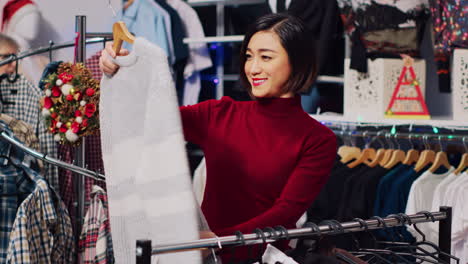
{"points": [[279, 106]]}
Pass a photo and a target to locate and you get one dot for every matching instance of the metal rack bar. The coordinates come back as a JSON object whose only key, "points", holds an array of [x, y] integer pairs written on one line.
{"points": [[250, 239], [445, 233], [217, 39], [224, 2], [91, 39], [80, 151], [425, 136], [53, 161]]}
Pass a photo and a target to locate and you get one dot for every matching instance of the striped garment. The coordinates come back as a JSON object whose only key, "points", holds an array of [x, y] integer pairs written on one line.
{"points": [[21, 101], [42, 231], [95, 245]]}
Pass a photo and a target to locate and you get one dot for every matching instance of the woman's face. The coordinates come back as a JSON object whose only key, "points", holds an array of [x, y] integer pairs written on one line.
{"points": [[267, 65], [5, 52]]}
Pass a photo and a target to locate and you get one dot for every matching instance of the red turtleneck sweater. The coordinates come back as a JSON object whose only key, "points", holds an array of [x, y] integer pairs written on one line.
{"points": [[266, 161]]}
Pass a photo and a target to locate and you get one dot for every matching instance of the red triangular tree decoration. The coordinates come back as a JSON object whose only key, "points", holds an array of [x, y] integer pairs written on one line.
{"points": [[407, 100]]}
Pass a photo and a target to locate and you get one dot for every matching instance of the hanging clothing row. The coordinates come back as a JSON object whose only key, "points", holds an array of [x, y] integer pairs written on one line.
{"points": [[316, 250], [366, 183], [95, 244], [170, 22], [35, 223]]}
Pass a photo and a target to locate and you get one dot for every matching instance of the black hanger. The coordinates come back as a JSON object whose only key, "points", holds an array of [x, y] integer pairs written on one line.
{"points": [[241, 239], [261, 235], [360, 252], [415, 248]]}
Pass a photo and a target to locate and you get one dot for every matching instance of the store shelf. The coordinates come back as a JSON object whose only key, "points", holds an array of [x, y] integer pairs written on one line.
{"points": [[437, 121], [234, 38], [224, 2], [330, 79]]}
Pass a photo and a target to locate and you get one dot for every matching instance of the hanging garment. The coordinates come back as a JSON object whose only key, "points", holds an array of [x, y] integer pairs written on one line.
{"points": [[323, 19], [181, 50], [144, 157], [21, 101], [199, 56], [273, 255], [11, 181], [144, 19], [450, 26], [42, 231], [95, 245], [455, 197], [274, 5], [383, 28], [421, 195], [332, 192]]}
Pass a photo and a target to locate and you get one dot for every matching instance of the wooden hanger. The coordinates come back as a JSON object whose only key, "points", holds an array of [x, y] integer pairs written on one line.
{"points": [[427, 157], [366, 157], [463, 164], [348, 153], [378, 157], [398, 156], [441, 159], [412, 155], [464, 160], [128, 4], [121, 34]]}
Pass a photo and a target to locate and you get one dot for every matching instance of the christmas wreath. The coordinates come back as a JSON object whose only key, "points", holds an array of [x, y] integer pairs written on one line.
{"points": [[70, 104]]}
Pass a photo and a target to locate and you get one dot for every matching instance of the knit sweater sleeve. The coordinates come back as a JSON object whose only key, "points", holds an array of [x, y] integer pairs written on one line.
{"points": [[302, 187]]}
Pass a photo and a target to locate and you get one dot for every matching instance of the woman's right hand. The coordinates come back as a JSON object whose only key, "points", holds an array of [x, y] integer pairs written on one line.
{"points": [[106, 64]]}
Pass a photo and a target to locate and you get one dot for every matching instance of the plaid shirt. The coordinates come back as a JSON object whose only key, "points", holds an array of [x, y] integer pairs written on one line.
{"points": [[42, 233], [21, 101], [11, 179], [95, 245], [93, 156]]}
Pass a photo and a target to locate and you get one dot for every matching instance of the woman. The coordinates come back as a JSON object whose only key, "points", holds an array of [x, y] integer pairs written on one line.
{"points": [[266, 159]]}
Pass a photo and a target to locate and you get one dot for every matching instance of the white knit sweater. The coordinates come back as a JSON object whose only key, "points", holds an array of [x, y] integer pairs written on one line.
{"points": [[148, 177]]}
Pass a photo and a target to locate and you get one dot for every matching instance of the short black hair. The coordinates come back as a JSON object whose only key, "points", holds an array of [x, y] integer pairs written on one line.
{"points": [[299, 44]]}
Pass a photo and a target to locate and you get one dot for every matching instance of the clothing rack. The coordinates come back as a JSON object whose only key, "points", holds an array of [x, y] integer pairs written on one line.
{"points": [[409, 136], [92, 38], [144, 249], [82, 171]]}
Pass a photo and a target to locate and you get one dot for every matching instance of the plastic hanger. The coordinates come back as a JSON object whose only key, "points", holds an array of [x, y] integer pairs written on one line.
{"points": [[398, 156], [348, 153], [412, 155], [441, 159], [368, 154], [427, 157], [388, 152], [121, 34], [380, 152], [464, 160]]}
